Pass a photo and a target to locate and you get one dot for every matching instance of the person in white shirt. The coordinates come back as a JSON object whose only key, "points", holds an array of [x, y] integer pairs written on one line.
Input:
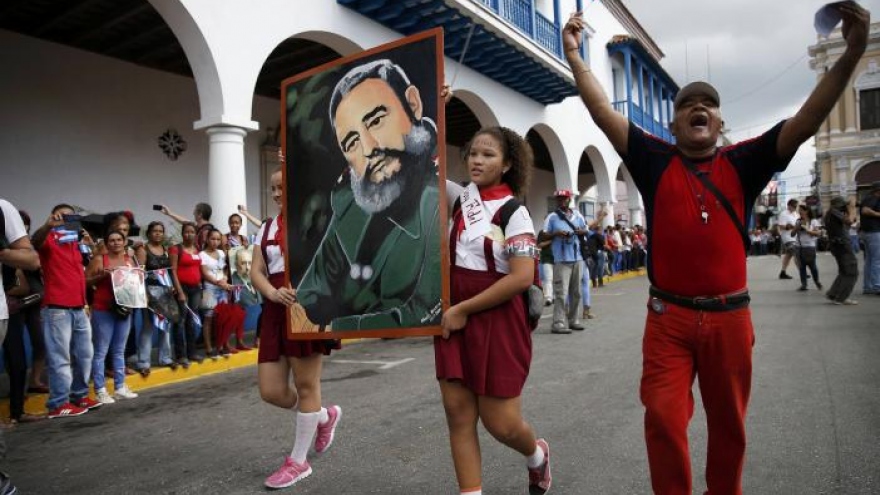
{"points": [[15, 252], [787, 220], [807, 231]]}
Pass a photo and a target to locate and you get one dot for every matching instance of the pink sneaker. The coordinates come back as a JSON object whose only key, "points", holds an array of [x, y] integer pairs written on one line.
{"points": [[289, 473], [539, 478], [326, 431]]}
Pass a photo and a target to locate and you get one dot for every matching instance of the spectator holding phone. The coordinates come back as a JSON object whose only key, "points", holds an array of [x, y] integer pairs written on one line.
{"points": [[252, 219], [202, 218], [66, 329]]}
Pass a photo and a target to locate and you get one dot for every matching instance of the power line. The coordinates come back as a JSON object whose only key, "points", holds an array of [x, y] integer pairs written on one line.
{"points": [[767, 82]]}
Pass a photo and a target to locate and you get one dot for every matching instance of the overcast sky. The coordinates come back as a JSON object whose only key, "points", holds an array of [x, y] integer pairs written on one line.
{"points": [[757, 58]]}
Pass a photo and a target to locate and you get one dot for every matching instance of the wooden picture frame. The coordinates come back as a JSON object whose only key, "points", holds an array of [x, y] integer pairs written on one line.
{"points": [[364, 202]]}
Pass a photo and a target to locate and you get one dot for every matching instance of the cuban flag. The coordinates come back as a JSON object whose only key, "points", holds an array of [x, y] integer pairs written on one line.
{"points": [[163, 276], [161, 323]]}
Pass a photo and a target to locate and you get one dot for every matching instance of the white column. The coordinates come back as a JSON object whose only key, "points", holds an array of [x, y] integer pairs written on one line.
{"points": [[635, 217], [226, 176], [609, 207]]}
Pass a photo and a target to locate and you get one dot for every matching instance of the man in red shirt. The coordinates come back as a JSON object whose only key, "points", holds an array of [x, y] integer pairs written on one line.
{"points": [[66, 327], [698, 320]]}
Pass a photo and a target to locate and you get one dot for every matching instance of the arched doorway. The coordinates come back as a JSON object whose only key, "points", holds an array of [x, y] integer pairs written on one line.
{"points": [[866, 175], [466, 114]]}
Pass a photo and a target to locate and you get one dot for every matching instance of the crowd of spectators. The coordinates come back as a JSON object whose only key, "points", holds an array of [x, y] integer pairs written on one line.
{"points": [[81, 330]]}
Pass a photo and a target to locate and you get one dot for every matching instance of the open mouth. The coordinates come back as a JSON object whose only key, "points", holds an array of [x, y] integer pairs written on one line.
{"points": [[699, 120]]}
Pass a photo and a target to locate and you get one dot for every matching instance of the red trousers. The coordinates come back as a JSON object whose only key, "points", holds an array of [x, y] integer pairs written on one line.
{"points": [[679, 345]]}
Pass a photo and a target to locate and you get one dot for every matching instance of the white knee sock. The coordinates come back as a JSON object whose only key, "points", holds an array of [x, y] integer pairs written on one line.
{"points": [[323, 417], [472, 491], [306, 425], [535, 460]]}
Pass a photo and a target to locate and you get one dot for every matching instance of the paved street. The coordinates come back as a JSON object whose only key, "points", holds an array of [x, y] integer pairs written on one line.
{"points": [[814, 418]]}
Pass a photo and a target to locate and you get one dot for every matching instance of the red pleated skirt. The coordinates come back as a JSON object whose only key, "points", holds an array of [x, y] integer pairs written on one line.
{"points": [[273, 332], [492, 354]]}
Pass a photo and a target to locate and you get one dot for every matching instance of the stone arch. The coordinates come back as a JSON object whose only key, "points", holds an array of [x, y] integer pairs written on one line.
{"points": [[604, 186], [866, 172], [201, 60], [466, 114], [561, 169]]}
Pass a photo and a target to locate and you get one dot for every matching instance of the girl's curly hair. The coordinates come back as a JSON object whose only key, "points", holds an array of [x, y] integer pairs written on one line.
{"points": [[517, 153]]}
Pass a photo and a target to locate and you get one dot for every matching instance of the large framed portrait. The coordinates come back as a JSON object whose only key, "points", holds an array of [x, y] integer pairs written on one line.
{"points": [[364, 204]]}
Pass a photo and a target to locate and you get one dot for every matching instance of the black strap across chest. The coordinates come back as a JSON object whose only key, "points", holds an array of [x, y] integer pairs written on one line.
{"points": [[722, 199]]}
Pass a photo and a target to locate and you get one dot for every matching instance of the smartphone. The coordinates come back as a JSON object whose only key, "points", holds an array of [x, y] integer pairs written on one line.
{"points": [[72, 222], [157, 207], [240, 207]]}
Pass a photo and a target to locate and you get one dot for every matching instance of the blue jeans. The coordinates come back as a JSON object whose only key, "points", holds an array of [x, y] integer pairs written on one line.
{"points": [[67, 333], [145, 343], [872, 261], [109, 336]]}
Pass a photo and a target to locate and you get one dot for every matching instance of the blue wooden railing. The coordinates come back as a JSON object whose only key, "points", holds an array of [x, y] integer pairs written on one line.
{"points": [[642, 119], [526, 18]]}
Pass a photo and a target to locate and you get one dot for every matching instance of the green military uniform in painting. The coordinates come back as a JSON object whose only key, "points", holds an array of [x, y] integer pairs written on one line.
{"points": [[376, 271]]}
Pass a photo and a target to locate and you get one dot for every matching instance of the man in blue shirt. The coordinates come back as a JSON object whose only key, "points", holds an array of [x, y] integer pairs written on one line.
{"points": [[566, 227]]}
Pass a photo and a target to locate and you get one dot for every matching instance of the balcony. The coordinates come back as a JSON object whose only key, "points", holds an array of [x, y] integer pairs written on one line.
{"points": [[642, 119], [525, 17], [510, 41]]}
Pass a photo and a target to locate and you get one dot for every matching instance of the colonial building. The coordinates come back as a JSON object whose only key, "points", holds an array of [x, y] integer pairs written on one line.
{"points": [[122, 104], [848, 144]]}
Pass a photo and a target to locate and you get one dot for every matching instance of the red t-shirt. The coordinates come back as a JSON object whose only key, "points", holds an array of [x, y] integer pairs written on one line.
{"points": [[687, 256], [64, 278], [189, 266]]}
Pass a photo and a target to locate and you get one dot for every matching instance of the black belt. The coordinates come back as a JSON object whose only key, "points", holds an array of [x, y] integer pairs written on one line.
{"points": [[725, 302], [55, 306]]}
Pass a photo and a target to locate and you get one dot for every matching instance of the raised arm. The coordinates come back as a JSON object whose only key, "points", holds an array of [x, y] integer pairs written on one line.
{"points": [[795, 131], [174, 216], [612, 123]]}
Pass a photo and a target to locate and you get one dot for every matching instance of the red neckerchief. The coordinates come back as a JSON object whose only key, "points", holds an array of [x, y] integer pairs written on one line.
{"points": [[280, 239], [490, 193]]}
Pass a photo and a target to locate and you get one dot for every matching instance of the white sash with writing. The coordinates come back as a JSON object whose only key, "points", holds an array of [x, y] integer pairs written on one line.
{"points": [[476, 222]]}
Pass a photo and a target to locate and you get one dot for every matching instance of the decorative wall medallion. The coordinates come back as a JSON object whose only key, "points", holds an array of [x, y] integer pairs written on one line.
{"points": [[172, 144]]}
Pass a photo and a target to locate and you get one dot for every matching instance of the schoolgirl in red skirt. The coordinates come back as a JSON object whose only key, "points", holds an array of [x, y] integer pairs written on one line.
{"points": [[482, 359], [279, 357]]}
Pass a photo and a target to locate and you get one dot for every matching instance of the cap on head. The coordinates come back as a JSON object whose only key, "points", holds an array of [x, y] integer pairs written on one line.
{"points": [[838, 202], [694, 89], [562, 193]]}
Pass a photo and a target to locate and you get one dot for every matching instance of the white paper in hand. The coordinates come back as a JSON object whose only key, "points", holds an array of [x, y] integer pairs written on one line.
{"points": [[827, 18], [476, 221]]}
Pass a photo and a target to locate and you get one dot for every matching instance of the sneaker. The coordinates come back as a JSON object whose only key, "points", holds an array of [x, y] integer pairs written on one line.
{"points": [[103, 397], [326, 431], [124, 392], [226, 352], [540, 478], [65, 410], [576, 326], [87, 403], [213, 354], [6, 486], [289, 473], [802, 288], [784, 276], [846, 302], [559, 328]]}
